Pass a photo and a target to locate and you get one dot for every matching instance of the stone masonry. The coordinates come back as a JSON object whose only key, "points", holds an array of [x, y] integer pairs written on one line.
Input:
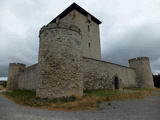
{"points": [[60, 68], [143, 71], [15, 69], [70, 61]]}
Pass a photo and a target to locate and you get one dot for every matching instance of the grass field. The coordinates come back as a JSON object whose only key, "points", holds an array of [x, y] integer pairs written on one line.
{"points": [[1, 87], [90, 100]]}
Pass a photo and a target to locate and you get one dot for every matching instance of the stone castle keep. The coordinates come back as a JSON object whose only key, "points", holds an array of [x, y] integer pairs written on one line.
{"points": [[70, 61]]}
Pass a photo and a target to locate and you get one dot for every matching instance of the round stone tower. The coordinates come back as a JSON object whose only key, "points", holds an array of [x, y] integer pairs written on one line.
{"points": [[60, 57], [143, 71], [13, 74]]}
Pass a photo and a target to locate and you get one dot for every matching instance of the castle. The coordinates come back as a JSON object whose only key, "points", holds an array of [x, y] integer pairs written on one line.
{"points": [[70, 61]]}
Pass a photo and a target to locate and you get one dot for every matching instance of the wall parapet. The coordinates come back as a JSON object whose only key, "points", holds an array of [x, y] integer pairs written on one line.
{"points": [[61, 25], [108, 62], [31, 67], [138, 59], [17, 64]]}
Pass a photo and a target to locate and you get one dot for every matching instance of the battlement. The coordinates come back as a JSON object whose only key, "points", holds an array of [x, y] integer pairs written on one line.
{"points": [[138, 59], [60, 25], [16, 64]]}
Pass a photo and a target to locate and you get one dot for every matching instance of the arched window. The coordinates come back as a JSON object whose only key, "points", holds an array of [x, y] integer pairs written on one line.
{"points": [[116, 82]]}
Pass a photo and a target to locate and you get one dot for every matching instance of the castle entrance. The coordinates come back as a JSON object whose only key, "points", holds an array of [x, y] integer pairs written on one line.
{"points": [[116, 83]]}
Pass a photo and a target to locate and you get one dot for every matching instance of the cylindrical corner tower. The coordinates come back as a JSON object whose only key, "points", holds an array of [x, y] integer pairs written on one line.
{"points": [[13, 74], [60, 57], [143, 71]]}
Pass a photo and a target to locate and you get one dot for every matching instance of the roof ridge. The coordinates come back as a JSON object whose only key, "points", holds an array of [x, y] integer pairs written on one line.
{"points": [[78, 8]]}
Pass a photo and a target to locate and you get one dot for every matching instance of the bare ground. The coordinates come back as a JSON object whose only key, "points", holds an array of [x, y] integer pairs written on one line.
{"points": [[138, 109]]}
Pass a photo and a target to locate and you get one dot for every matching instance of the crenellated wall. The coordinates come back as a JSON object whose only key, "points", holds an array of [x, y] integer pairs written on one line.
{"points": [[29, 78]]}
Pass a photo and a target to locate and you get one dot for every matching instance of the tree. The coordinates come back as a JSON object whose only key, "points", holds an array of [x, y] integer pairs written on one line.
{"points": [[156, 79]]}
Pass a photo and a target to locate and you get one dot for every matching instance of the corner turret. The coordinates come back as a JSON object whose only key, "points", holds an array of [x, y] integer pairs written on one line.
{"points": [[13, 74], [143, 71], [60, 61]]}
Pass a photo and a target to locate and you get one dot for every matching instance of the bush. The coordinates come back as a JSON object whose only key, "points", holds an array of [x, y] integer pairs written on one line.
{"points": [[156, 79]]}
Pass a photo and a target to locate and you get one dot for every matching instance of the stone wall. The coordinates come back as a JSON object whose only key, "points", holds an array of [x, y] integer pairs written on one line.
{"points": [[143, 71], [28, 79], [90, 33], [62, 70], [60, 61], [100, 74], [14, 71]]}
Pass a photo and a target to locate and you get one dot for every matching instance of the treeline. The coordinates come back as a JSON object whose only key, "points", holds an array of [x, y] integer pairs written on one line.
{"points": [[156, 79]]}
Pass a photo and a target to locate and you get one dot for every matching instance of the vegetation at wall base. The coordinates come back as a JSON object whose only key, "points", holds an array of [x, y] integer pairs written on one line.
{"points": [[90, 100], [2, 87]]}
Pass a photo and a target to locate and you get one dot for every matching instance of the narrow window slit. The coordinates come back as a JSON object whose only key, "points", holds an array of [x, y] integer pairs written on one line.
{"points": [[89, 44], [88, 28]]}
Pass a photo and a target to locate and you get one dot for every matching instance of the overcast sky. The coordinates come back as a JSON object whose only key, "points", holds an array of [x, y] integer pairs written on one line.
{"points": [[130, 28]]}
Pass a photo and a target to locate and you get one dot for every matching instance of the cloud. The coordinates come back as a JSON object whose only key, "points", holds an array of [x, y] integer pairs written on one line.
{"points": [[130, 28], [141, 41]]}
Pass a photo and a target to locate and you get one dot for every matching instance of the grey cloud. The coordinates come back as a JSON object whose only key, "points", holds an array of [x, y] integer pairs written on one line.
{"points": [[128, 30], [141, 41]]}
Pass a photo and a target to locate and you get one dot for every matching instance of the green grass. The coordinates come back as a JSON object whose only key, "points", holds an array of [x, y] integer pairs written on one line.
{"points": [[21, 94], [90, 100], [2, 87], [100, 93]]}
